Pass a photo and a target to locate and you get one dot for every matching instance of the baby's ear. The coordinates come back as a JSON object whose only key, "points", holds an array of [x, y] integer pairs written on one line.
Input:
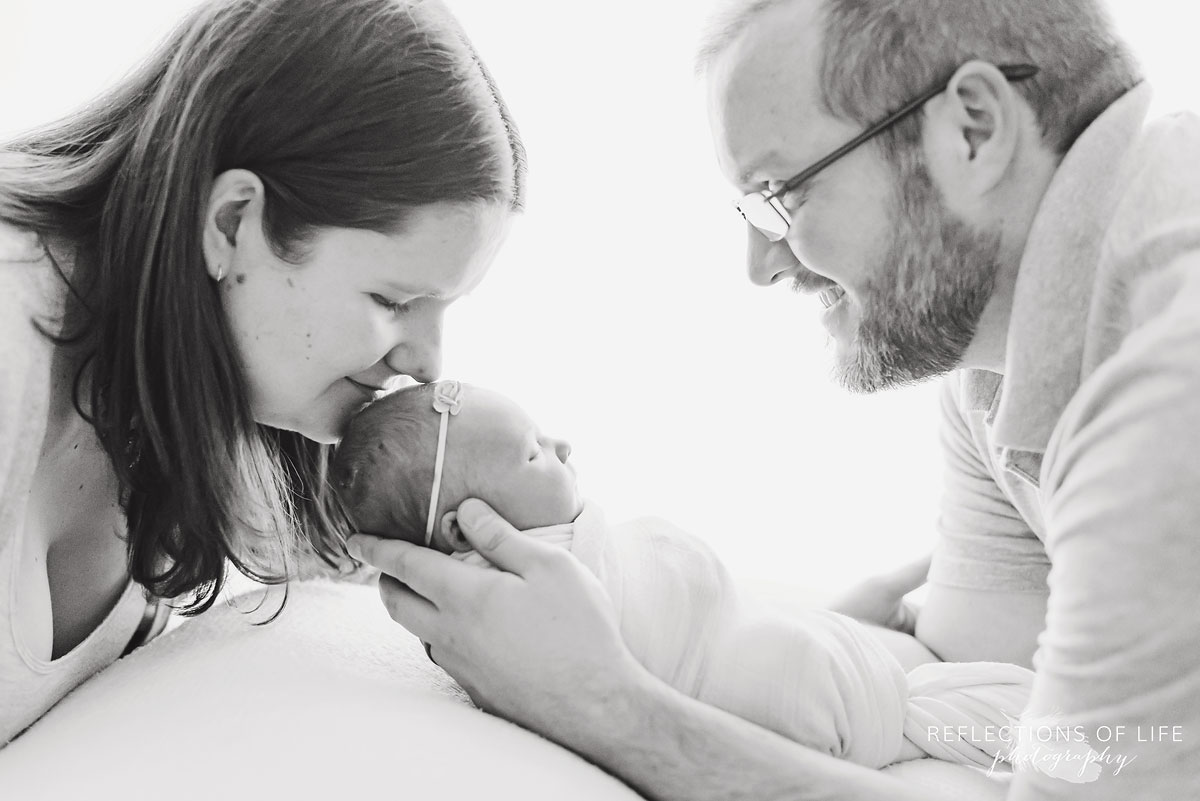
{"points": [[452, 533]]}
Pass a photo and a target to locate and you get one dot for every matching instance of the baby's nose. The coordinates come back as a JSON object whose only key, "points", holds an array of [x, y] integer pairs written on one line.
{"points": [[562, 449]]}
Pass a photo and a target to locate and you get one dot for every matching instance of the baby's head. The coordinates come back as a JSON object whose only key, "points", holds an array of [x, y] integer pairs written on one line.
{"points": [[383, 469]]}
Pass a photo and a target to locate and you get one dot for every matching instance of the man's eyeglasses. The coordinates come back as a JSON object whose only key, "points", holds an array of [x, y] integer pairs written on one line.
{"points": [[765, 210]]}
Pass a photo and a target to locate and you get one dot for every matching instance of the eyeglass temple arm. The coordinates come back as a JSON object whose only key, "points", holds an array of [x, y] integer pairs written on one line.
{"points": [[1012, 72]]}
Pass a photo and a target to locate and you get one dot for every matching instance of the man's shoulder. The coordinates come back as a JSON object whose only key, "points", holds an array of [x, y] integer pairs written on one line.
{"points": [[1159, 202], [1152, 380], [1166, 149], [1149, 265]]}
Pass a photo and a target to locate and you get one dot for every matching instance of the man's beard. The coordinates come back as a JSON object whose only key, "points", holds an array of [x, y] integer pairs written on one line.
{"points": [[918, 318]]}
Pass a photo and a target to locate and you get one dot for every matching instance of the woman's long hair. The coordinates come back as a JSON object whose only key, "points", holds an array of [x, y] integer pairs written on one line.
{"points": [[352, 112]]}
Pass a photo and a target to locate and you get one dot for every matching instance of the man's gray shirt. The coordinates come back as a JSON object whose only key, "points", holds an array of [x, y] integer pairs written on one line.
{"points": [[1083, 460]]}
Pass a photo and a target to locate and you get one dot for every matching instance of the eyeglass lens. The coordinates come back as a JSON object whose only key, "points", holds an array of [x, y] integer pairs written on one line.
{"points": [[760, 213]]}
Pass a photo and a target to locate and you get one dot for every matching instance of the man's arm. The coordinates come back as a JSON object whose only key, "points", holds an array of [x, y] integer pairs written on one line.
{"points": [[537, 643], [670, 747], [987, 598]]}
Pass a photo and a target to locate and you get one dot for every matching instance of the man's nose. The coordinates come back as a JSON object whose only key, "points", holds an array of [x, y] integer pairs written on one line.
{"points": [[419, 352], [562, 449], [768, 262]]}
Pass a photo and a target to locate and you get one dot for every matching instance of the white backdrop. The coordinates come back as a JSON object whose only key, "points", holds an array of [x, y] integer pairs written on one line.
{"points": [[618, 313]]}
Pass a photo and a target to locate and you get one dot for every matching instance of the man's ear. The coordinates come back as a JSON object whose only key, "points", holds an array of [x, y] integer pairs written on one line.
{"points": [[453, 534], [973, 130], [236, 200]]}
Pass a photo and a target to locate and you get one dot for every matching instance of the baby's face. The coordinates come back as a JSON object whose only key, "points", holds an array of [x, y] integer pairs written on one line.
{"points": [[495, 452]]}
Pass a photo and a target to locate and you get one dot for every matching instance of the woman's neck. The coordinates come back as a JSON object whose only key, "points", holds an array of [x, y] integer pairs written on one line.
{"points": [[68, 389]]}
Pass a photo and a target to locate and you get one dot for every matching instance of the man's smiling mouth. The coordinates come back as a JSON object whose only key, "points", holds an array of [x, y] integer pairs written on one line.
{"points": [[831, 296]]}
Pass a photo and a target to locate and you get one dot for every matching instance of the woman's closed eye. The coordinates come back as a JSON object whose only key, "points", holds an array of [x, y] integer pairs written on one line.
{"points": [[391, 305]]}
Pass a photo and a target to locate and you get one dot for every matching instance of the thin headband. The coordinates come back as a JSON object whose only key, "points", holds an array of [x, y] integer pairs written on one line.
{"points": [[447, 401]]}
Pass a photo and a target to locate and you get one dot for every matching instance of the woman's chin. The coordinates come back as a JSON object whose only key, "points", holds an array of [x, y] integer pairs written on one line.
{"points": [[322, 437], [327, 431]]}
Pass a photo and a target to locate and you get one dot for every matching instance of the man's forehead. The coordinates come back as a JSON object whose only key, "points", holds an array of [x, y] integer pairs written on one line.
{"points": [[763, 94]]}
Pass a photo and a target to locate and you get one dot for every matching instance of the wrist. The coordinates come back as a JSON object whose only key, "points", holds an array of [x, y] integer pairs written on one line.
{"points": [[618, 709]]}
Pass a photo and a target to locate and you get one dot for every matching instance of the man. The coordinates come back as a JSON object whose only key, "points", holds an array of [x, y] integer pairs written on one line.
{"points": [[1024, 229]]}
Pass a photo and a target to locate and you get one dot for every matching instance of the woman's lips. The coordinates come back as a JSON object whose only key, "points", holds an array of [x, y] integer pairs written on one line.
{"points": [[367, 388]]}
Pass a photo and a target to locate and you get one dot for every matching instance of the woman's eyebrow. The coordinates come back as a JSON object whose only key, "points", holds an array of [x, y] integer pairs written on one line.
{"points": [[411, 291]]}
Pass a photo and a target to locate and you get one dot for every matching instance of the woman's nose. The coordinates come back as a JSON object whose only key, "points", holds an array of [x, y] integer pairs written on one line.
{"points": [[419, 352]]}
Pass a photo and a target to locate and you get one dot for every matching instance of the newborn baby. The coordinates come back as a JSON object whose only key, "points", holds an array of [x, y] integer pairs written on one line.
{"points": [[409, 459]]}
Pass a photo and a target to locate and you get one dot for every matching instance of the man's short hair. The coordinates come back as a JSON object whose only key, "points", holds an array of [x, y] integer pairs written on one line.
{"points": [[880, 53]]}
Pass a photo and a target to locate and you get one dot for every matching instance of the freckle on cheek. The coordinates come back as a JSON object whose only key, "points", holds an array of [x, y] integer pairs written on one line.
{"points": [[241, 278], [291, 284]]}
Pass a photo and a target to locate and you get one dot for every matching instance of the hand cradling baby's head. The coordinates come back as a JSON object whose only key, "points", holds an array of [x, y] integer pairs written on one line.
{"points": [[383, 469]]}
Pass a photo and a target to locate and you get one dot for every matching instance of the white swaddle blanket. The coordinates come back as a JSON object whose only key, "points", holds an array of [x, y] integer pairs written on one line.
{"points": [[819, 678]]}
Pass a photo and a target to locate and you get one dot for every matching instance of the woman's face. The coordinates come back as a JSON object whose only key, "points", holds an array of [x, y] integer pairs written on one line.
{"points": [[316, 340]]}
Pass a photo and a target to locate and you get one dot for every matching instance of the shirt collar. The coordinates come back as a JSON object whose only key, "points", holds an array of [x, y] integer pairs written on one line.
{"points": [[1053, 293]]}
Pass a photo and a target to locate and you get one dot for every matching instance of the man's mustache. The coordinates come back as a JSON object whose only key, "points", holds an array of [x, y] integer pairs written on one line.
{"points": [[808, 282]]}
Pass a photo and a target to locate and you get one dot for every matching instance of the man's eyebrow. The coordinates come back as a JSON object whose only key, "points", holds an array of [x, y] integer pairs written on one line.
{"points": [[770, 158]]}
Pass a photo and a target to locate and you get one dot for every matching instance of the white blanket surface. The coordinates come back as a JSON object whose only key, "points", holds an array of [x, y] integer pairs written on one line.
{"points": [[331, 700]]}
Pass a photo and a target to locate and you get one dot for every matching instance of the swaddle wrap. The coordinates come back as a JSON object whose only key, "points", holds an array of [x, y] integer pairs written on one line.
{"points": [[819, 678]]}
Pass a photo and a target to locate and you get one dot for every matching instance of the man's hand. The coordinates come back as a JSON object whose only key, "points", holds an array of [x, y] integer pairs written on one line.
{"points": [[536, 642], [880, 599]]}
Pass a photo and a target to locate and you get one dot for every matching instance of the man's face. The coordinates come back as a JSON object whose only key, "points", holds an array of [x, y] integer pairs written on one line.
{"points": [[909, 278]]}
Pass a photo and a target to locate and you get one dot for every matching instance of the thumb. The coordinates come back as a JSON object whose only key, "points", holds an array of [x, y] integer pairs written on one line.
{"points": [[495, 539], [913, 575]]}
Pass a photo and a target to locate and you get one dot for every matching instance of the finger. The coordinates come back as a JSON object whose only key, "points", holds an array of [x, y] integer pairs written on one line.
{"points": [[430, 573], [904, 618], [407, 608], [496, 540], [911, 576]]}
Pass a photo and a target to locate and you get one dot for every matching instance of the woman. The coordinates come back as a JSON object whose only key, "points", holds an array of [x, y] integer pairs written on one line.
{"points": [[202, 276]]}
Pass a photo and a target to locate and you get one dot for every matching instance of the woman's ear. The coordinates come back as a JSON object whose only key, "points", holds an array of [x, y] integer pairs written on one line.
{"points": [[452, 533], [236, 198]]}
